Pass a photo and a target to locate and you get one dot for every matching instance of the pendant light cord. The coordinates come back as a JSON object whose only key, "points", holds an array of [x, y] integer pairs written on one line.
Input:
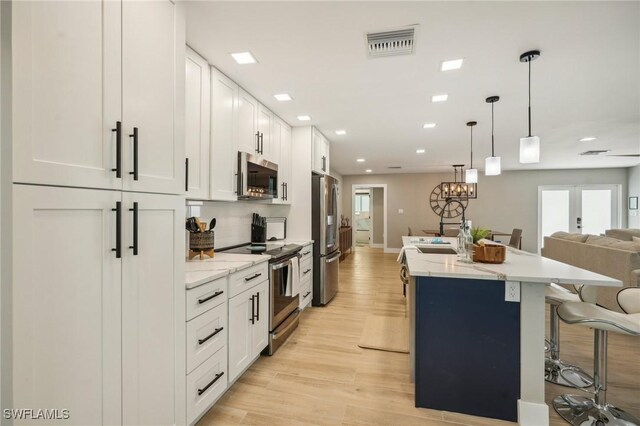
{"points": [[471, 147], [492, 147], [529, 98]]}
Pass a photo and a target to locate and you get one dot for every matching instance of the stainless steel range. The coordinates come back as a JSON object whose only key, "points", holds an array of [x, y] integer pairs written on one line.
{"points": [[283, 309]]}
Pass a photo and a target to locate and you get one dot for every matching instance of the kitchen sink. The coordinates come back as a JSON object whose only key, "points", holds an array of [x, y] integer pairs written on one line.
{"points": [[436, 250]]}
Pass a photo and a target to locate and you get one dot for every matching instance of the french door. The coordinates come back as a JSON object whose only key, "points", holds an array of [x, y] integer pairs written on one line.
{"points": [[586, 209]]}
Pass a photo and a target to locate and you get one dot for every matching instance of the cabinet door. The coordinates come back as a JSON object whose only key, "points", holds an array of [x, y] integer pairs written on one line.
{"points": [[153, 49], [327, 156], [224, 143], [197, 116], [247, 123], [264, 127], [318, 160], [66, 303], [260, 328], [275, 141], [240, 334], [66, 92], [153, 310], [285, 170]]}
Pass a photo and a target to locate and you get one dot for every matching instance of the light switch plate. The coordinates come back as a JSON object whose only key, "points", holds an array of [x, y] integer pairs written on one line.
{"points": [[511, 291], [400, 211]]}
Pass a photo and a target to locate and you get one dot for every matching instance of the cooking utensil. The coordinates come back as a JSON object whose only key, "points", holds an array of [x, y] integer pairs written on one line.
{"points": [[212, 224], [192, 225]]}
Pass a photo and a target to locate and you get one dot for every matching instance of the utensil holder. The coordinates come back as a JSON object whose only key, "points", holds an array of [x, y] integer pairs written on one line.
{"points": [[201, 243]]}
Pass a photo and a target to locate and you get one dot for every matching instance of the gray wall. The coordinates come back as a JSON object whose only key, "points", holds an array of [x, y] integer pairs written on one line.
{"points": [[634, 191], [377, 210], [504, 202]]}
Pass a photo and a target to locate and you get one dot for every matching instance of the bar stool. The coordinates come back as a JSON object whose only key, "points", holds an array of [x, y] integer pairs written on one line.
{"points": [[583, 411], [557, 371]]}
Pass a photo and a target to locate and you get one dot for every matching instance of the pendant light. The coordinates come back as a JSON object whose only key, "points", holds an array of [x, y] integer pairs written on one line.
{"points": [[492, 164], [471, 174], [530, 146]]}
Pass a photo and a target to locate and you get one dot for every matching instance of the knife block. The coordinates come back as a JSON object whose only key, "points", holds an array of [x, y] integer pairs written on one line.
{"points": [[258, 234]]}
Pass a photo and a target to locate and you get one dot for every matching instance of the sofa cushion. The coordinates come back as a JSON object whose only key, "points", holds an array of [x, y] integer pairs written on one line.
{"points": [[623, 234], [603, 241], [636, 240], [626, 245], [580, 238], [559, 234]]}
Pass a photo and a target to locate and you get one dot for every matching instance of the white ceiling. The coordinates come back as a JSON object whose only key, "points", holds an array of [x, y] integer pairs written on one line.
{"points": [[586, 82]]}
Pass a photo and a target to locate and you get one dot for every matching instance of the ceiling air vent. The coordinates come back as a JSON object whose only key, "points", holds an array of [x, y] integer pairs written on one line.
{"points": [[390, 43], [595, 152], [394, 167]]}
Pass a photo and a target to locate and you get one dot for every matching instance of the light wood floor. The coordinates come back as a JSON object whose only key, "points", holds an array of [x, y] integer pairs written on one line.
{"points": [[321, 376]]}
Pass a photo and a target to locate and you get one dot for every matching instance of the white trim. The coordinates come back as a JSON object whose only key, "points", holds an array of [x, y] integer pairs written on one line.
{"points": [[376, 245], [357, 186], [532, 414]]}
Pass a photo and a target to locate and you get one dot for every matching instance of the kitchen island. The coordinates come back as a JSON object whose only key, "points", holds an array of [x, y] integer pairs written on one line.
{"points": [[471, 350]]}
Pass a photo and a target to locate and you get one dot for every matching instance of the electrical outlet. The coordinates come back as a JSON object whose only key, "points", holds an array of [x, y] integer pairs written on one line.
{"points": [[511, 291]]}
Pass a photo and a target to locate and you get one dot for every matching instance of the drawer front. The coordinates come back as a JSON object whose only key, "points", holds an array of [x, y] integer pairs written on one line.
{"points": [[306, 252], [247, 278], [205, 297], [306, 293], [206, 334], [306, 269], [205, 384]]}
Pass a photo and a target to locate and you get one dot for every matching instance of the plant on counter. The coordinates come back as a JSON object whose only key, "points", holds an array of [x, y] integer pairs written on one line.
{"points": [[479, 233]]}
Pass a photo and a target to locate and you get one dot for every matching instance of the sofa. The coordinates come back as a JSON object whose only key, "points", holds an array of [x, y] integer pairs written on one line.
{"points": [[604, 255], [623, 234]]}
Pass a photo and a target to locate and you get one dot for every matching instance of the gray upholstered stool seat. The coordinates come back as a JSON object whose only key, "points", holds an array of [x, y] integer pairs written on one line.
{"points": [[557, 371], [583, 411]]}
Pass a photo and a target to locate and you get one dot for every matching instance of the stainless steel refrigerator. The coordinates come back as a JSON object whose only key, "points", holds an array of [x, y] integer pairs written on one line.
{"points": [[324, 225]]}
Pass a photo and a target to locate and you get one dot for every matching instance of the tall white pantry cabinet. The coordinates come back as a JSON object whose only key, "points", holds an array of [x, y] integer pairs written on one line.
{"points": [[98, 196]]}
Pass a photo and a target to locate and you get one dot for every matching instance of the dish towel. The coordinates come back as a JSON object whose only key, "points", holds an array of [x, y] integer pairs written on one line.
{"points": [[402, 259], [295, 276]]}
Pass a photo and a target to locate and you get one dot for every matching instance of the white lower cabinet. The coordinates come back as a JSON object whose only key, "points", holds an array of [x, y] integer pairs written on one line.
{"points": [[205, 385], [248, 327], [306, 276], [98, 304]]}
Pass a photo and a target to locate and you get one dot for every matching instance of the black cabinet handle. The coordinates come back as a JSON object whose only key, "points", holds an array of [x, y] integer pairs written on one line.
{"points": [[118, 211], [253, 310], [324, 163], [306, 272], [204, 389], [258, 142], [253, 277], [186, 175], [283, 197], [118, 131], [286, 191], [134, 135], [258, 306], [135, 228], [206, 299], [261, 143], [306, 253], [308, 293], [216, 331]]}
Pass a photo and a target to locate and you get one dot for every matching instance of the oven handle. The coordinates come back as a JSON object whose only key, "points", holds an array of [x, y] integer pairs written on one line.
{"points": [[285, 263], [286, 325]]}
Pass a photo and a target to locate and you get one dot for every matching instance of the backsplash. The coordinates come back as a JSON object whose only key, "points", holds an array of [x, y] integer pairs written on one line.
{"points": [[233, 219]]}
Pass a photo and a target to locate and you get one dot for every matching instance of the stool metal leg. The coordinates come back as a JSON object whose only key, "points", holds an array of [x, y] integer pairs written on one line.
{"points": [[583, 411], [556, 371]]}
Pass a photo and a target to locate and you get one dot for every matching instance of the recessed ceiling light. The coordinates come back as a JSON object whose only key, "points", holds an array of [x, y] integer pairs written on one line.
{"points": [[420, 151], [439, 98], [454, 64], [588, 139], [244, 58], [304, 118], [283, 97], [341, 132], [360, 160], [368, 170], [428, 125]]}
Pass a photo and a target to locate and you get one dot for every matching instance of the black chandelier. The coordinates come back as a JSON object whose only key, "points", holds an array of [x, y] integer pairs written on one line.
{"points": [[458, 189]]}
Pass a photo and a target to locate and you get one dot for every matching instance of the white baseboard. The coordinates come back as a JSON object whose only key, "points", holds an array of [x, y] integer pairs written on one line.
{"points": [[377, 245], [533, 413], [392, 250]]}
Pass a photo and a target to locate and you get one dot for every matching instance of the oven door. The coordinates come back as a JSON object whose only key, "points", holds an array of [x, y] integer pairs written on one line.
{"points": [[281, 306]]}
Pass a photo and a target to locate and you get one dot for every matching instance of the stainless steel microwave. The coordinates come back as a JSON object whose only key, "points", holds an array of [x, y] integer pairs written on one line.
{"points": [[257, 177]]}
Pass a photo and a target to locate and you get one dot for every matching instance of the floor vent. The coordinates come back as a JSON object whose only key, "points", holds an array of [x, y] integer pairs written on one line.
{"points": [[390, 43], [595, 152]]}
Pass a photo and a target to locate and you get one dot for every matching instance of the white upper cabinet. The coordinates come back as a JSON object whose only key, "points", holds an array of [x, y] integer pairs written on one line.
{"points": [[66, 92], [80, 68], [67, 303], [224, 142], [284, 162], [320, 153], [197, 116], [248, 136], [265, 118], [153, 79]]}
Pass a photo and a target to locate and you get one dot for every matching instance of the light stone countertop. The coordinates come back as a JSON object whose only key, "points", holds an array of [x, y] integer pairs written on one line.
{"points": [[519, 266]]}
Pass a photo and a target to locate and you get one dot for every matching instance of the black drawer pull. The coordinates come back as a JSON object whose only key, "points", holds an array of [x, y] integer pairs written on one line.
{"points": [[216, 331], [253, 277], [206, 299], [306, 272], [204, 389], [308, 293], [306, 253]]}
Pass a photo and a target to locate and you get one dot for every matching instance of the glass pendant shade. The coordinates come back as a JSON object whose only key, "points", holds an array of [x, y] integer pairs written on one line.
{"points": [[471, 176], [530, 150], [492, 166]]}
